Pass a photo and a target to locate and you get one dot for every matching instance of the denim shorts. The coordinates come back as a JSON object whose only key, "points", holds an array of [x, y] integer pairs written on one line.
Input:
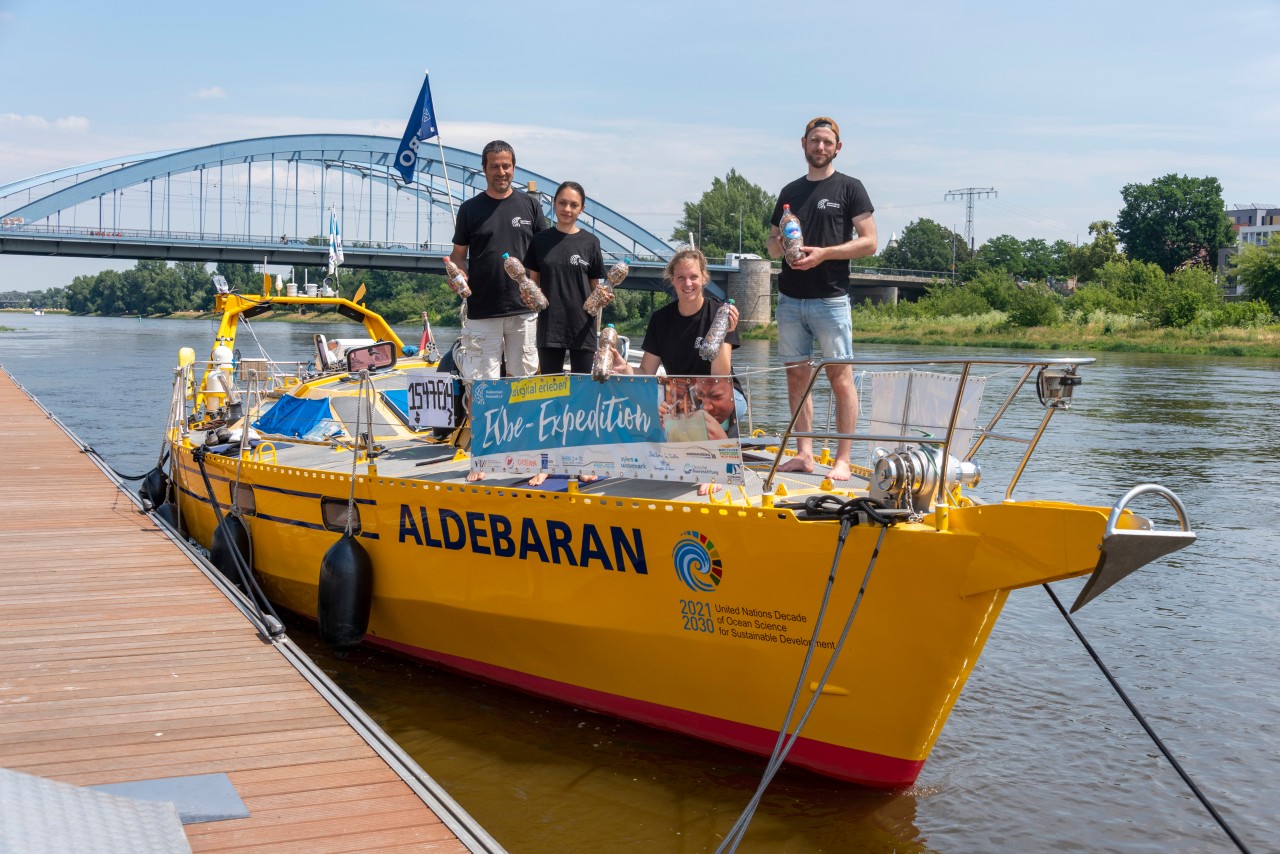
{"points": [[802, 320]]}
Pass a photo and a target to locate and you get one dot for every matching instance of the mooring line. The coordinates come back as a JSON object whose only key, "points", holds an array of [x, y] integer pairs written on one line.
{"points": [[1226, 828]]}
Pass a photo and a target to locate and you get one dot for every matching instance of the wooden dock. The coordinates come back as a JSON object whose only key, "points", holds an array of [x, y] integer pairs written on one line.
{"points": [[121, 660]]}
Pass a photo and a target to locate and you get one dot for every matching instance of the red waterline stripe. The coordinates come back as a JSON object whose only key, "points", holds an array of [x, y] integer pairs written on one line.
{"points": [[843, 763]]}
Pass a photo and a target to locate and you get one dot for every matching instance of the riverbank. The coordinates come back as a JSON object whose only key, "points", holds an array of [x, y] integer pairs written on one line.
{"points": [[1258, 342], [1254, 342]]}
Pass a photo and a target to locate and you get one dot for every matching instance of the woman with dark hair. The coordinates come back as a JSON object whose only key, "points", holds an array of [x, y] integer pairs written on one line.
{"points": [[567, 263]]}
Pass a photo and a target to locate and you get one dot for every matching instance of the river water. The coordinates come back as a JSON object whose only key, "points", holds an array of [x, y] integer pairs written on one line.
{"points": [[1039, 754]]}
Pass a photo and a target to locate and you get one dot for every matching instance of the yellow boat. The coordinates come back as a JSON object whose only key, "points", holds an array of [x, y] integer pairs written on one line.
{"points": [[723, 617]]}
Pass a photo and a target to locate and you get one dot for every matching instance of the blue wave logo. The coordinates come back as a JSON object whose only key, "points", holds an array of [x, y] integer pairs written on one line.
{"points": [[697, 562]]}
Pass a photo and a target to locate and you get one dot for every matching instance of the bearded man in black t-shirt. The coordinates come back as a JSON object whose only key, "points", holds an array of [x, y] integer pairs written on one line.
{"points": [[499, 325], [813, 298]]}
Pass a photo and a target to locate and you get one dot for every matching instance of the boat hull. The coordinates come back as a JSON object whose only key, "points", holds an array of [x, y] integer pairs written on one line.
{"points": [[691, 617]]}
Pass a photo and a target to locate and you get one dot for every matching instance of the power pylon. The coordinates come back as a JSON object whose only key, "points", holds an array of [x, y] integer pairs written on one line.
{"points": [[969, 194]]}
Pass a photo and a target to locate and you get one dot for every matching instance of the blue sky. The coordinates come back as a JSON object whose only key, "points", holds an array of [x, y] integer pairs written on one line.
{"points": [[1057, 106]]}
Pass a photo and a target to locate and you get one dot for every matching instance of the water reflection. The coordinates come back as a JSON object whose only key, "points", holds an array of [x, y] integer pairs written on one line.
{"points": [[549, 774]]}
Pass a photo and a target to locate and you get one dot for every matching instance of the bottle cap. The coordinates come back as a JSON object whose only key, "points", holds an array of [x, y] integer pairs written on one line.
{"points": [[610, 326], [505, 256], [730, 302], [626, 260]]}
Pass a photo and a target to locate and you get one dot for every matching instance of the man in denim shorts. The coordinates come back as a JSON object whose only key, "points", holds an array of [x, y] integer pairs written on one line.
{"points": [[837, 225]]}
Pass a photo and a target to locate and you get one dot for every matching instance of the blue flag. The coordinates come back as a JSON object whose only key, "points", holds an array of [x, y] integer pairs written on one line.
{"points": [[421, 127]]}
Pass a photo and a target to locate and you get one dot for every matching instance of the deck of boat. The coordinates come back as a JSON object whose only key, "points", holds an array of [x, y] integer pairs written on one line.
{"points": [[120, 661]]}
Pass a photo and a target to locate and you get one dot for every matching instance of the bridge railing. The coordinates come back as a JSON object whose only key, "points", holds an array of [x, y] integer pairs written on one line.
{"points": [[318, 244]]}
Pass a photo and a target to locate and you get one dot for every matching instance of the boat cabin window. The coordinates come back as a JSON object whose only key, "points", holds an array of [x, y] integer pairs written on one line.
{"points": [[375, 357], [334, 512]]}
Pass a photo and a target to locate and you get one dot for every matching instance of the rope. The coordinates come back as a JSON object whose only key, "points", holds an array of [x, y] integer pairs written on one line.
{"points": [[1147, 727], [847, 512], [270, 628], [361, 403], [88, 449]]}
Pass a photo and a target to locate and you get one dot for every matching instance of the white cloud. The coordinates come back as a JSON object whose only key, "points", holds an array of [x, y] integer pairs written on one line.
{"points": [[210, 92], [75, 123]]}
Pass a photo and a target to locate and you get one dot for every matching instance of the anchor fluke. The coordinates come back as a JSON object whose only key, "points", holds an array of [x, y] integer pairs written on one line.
{"points": [[1123, 551]]}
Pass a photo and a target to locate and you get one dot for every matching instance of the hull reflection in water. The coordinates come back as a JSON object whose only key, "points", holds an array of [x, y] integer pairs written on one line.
{"points": [[639, 598]]}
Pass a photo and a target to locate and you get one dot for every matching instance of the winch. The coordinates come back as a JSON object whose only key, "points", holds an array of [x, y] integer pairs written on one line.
{"points": [[910, 475]]}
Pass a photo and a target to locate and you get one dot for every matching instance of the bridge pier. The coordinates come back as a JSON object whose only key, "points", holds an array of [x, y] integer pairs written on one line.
{"points": [[878, 294], [749, 287]]}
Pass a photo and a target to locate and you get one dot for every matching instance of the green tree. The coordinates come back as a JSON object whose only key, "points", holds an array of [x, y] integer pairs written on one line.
{"points": [[197, 284], [1039, 261], [1003, 252], [925, 245], [1259, 270], [1187, 295], [1174, 220], [1132, 282], [713, 222], [1104, 248], [113, 292], [1063, 253], [995, 287], [82, 295], [1035, 305]]}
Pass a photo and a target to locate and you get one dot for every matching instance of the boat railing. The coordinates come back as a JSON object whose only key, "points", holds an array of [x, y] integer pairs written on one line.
{"points": [[1054, 384]]}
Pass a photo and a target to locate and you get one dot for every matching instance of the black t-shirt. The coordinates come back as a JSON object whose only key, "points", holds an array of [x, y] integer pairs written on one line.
{"points": [[673, 338], [489, 227], [826, 210], [566, 264]]}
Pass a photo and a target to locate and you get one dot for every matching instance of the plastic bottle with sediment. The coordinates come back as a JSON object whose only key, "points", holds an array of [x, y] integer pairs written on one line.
{"points": [[529, 292], [457, 279], [603, 295], [602, 364], [709, 346], [792, 239]]}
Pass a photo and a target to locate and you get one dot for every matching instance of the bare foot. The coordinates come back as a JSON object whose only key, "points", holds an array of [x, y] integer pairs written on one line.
{"points": [[473, 476], [801, 463], [588, 478], [708, 488], [840, 471], [538, 479]]}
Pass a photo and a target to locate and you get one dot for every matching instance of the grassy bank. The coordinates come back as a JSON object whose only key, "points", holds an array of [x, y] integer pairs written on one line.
{"points": [[1115, 335]]}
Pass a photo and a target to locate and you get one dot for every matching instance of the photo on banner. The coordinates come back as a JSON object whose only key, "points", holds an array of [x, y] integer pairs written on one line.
{"points": [[654, 428]]}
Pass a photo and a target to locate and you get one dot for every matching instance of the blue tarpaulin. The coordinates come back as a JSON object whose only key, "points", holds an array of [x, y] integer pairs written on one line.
{"points": [[294, 416]]}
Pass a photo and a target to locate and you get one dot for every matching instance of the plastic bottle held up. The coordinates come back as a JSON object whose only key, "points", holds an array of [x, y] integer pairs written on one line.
{"points": [[457, 279], [602, 364], [709, 347], [792, 239], [529, 292], [603, 295]]}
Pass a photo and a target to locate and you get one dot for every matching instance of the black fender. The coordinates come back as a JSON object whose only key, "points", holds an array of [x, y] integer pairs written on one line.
{"points": [[230, 534], [345, 594]]}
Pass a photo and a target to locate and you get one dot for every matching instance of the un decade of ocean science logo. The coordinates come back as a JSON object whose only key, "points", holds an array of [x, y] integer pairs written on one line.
{"points": [[697, 562]]}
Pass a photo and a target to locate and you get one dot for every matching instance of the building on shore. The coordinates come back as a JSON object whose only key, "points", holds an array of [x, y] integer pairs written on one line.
{"points": [[1254, 224]]}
